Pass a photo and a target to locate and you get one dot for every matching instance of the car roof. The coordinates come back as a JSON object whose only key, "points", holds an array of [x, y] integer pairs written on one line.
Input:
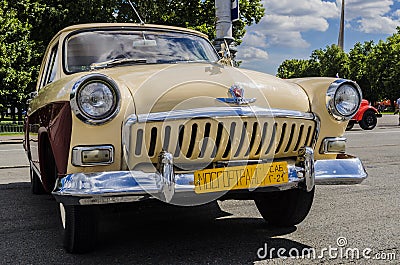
{"points": [[127, 25]]}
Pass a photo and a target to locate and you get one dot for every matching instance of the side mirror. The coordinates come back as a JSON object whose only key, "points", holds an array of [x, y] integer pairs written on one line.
{"points": [[31, 96], [225, 54]]}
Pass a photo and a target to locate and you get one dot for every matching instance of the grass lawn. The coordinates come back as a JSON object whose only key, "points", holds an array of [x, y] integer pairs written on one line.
{"points": [[3, 122], [11, 134]]}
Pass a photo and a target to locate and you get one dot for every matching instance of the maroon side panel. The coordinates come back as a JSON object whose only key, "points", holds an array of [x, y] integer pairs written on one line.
{"points": [[60, 135], [54, 122]]}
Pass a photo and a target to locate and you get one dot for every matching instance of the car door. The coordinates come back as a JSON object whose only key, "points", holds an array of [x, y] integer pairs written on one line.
{"points": [[38, 119]]}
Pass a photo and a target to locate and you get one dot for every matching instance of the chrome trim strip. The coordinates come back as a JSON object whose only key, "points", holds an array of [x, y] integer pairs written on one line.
{"points": [[340, 171], [237, 101], [317, 131], [219, 112], [305, 161], [166, 175], [325, 143], [76, 155], [309, 168], [128, 186], [110, 187]]}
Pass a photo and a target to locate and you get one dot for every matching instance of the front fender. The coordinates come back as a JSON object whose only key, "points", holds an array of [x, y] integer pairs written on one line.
{"points": [[362, 110]]}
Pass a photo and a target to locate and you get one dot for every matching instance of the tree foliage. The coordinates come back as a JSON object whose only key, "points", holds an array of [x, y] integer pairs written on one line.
{"points": [[27, 26], [18, 60], [375, 67], [198, 15]]}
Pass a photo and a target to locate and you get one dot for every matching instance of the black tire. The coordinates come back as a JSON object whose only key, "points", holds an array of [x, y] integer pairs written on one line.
{"points": [[369, 120], [36, 184], [79, 228], [285, 208], [350, 125]]}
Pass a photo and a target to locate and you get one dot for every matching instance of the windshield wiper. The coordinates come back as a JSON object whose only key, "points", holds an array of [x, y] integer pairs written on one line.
{"points": [[114, 62], [182, 61]]}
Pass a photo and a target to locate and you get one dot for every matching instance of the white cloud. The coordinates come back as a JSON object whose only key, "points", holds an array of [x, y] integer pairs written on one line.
{"points": [[378, 25], [296, 23], [372, 16], [285, 20], [289, 39], [252, 54], [366, 8], [255, 38], [301, 8]]}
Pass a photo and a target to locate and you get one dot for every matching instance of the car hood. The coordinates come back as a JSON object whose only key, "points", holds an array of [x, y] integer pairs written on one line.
{"points": [[166, 87]]}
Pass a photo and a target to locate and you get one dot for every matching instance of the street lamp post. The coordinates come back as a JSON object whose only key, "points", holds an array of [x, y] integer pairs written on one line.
{"points": [[224, 25], [341, 30]]}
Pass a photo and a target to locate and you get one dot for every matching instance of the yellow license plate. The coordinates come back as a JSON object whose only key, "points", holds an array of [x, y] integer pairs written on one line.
{"points": [[240, 177]]}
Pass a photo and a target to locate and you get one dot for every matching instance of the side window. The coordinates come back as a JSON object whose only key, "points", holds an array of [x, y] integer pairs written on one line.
{"points": [[51, 68]]}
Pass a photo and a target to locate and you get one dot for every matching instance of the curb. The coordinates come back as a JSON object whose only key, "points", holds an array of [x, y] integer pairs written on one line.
{"points": [[11, 142], [11, 167]]}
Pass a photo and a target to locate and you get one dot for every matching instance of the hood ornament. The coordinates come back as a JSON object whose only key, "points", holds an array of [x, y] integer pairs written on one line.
{"points": [[237, 96]]}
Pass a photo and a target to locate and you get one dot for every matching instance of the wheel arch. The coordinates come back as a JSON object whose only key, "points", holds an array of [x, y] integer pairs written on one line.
{"points": [[44, 144]]}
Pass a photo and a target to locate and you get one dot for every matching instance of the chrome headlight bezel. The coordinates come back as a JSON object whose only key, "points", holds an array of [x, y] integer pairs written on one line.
{"points": [[79, 110], [332, 94]]}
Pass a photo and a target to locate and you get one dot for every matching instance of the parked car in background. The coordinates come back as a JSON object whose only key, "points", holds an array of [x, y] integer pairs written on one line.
{"points": [[132, 112], [367, 117], [384, 105]]}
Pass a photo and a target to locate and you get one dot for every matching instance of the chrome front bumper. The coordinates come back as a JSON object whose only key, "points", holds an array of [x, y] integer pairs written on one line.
{"points": [[129, 186]]}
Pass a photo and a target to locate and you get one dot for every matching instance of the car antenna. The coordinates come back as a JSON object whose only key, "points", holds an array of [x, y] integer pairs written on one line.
{"points": [[137, 14]]}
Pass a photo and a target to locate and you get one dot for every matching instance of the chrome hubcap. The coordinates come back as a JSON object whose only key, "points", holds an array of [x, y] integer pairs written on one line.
{"points": [[62, 212]]}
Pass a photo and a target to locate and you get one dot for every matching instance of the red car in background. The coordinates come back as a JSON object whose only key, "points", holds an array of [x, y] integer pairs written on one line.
{"points": [[367, 117], [385, 104]]}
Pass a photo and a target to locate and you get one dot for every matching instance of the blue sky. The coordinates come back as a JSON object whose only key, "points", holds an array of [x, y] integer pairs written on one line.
{"points": [[292, 29]]}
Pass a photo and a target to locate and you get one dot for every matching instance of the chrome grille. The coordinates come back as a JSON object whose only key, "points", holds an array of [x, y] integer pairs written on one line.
{"points": [[202, 140]]}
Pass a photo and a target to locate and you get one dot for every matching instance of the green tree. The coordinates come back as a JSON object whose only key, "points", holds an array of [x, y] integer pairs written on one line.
{"points": [[198, 15], [298, 68], [27, 26], [332, 61], [384, 67], [359, 58], [18, 61]]}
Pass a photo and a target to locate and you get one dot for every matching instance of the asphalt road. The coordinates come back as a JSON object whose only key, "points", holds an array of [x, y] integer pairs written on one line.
{"points": [[363, 217]]}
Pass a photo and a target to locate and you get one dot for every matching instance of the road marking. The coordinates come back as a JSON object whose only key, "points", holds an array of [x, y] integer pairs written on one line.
{"points": [[11, 150], [10, 167], [369, 132], [382, 145]]}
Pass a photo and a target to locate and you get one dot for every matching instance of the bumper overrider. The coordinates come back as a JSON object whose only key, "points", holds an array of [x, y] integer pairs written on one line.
{"points": [[129, 186]]}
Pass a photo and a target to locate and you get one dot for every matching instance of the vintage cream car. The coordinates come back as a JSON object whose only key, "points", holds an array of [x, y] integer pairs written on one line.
{"points": [[127, 112]]}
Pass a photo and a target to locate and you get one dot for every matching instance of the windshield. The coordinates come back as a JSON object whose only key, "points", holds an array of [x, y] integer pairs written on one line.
{"points": [[95, 49]]}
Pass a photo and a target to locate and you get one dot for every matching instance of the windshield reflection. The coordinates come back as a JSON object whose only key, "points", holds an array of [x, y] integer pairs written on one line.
{"points": [[86, 49]]}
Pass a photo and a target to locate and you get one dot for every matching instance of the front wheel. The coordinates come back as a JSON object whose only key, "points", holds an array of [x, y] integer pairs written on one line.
{"points": [[285, 208], [369, 120], [79, 227], [350, 125]]}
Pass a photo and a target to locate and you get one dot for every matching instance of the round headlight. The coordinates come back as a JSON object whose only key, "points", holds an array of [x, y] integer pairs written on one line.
{"points": [[95, 99], [347, 100], [344, 99]]}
